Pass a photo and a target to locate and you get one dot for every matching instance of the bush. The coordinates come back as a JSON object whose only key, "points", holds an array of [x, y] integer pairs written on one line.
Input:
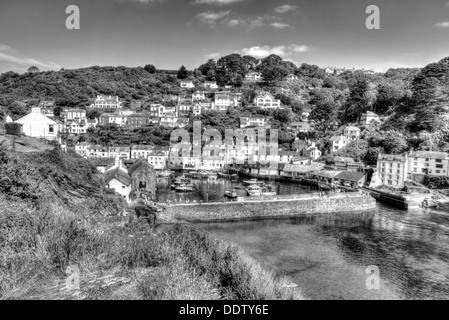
{"points": [[13, 129]]}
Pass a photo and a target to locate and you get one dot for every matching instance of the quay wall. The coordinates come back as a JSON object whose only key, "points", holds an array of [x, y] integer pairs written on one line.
{"points": [[266, 209]]}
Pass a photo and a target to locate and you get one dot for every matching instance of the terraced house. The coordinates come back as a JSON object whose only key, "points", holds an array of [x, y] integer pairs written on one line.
{"points": [[392, 170], [257, 120], [428, 163], [267, 101], [107, 102]]}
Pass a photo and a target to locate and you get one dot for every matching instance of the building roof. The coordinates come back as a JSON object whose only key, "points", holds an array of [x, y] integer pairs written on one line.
{"points": [[338, 138], [103, 162], [429, 155], [289, 153], [137, 165], [120, 175], [354, 176], [352, 128], [393, 157], [297, 168], [371, 114], [326, 174], [343, 159]]}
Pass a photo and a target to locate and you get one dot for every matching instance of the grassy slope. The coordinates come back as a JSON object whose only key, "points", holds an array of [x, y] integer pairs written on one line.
{"points": [[52, 215]]}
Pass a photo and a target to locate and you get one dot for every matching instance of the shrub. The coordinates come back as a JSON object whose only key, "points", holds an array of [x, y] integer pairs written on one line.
{"points": [[13, 129]]}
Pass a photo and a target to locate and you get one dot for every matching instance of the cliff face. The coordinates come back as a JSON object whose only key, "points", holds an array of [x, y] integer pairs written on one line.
{"points": [[53, 176]]}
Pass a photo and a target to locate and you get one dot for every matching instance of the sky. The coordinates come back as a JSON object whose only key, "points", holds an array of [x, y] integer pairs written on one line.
{"points": [[171, 33]]}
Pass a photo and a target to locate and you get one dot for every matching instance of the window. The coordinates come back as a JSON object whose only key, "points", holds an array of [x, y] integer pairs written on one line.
{"points": [[438, 160], [439, 166], [51, 128]]}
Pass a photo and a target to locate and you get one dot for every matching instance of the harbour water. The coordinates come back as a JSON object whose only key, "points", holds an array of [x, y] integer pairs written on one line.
{"points": [[213, 189], [328, 255]]}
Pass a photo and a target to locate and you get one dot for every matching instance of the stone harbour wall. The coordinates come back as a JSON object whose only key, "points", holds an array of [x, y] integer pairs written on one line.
{"points": [[266, 209]]}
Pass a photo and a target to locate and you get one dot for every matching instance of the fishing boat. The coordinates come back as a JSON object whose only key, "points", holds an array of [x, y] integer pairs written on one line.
{"points": [[231, 194], [256, 191], [182, 180], [251, 182], [324, 186], [185, 188], [165, 174]]}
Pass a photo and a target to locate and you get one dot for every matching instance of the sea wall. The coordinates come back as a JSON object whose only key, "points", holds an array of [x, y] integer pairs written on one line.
{"points": [[266, 209]]}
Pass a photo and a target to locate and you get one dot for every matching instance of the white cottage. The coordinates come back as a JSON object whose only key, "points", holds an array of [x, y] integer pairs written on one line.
{"points": [[37, 125]]}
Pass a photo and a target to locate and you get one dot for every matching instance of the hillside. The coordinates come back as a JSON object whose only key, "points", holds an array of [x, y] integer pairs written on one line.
{"points": [[57, 220]]}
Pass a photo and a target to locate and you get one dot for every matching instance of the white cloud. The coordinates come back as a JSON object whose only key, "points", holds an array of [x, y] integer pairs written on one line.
{"points": [[442, 25], [214, 55], [279, 25], [260, 52], [212, 17], [11, 56], [285, 8], [216, 2]]}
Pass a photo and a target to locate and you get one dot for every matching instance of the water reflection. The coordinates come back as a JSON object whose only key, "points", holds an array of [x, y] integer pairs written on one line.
{"points": [[213, 189], [328, 254]]}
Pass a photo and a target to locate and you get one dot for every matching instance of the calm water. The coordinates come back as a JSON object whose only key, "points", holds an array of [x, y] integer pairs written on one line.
{"points": [[327, 255], [213, 189]]}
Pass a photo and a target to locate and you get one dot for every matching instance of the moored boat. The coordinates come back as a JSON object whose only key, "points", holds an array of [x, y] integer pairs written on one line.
{"points": [[256, 190], [185, 188], [251, 182], [231, 194], [165, 174]]}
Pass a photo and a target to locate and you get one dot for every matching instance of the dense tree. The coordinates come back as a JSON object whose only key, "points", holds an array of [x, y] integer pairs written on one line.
{"points": [[311, 71], [358, 101], [17, 110], [33, 69], [208, 69], [150, 68], [182, 73], [282, 115], [230, 70], [273, 69]]}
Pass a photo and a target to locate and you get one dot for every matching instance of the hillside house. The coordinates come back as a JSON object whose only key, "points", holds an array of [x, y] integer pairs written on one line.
{"points": [[107, 102], [112, 118], [141, 151], [338, 143], [297, 127], [37, 125], [158, 158], [169, 121], [392, 170], [266, 101], [187, 85], [352, 179], [211, 85], [143, 176], [196, 110], [198, 95], [428, 163], [369, 117], [292, 77], [257, 120], [254, 77], [136, 121], [223, 101], [120, 181], [74, 114], [351, 133]]}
